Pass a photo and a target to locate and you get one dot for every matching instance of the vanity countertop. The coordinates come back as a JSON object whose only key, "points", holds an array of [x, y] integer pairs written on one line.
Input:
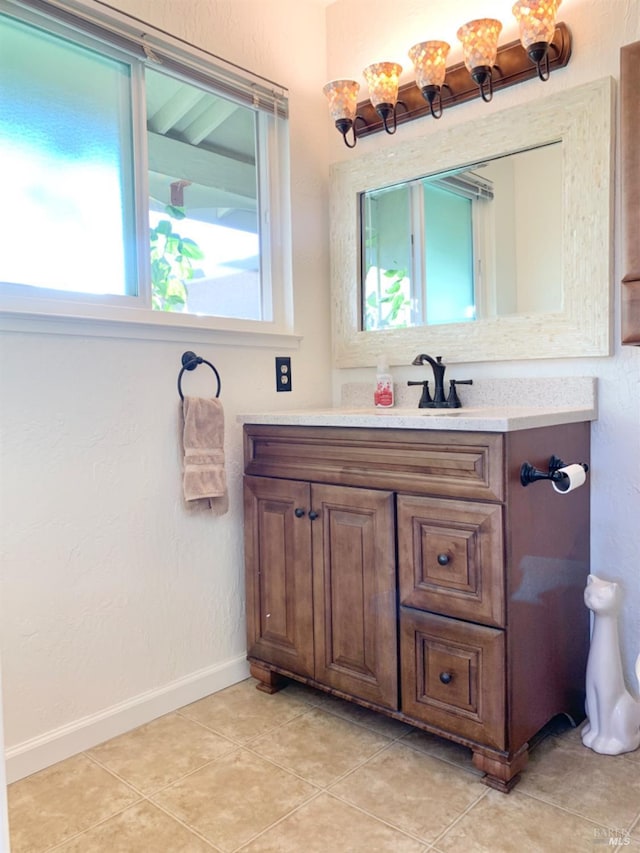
{"points": [[470, 418]]}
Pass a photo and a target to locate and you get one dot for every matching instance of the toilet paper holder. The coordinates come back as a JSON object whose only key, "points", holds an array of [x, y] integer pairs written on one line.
{"points": [[529, 474]]}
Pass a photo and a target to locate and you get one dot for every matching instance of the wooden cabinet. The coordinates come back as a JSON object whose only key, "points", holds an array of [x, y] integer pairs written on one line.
{"points": [[321, 588], [376, 552]]}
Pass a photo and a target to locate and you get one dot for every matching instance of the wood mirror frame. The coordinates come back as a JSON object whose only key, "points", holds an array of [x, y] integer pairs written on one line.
{"points": [[630, 172]]}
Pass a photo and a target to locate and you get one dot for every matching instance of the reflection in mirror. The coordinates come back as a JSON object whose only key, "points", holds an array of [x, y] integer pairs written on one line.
{"points": [[478, 242]]}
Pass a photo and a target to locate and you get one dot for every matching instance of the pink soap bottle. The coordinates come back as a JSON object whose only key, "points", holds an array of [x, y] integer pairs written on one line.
{"points": [[383, 394]]}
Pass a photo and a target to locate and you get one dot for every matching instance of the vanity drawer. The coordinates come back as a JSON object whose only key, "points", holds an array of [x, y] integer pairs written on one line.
{"points": [[450, 558], [424, 462], [453, 675]]}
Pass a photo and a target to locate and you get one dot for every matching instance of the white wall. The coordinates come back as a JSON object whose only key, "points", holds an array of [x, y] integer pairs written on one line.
{"points": [[118, 602], [359, 33]]}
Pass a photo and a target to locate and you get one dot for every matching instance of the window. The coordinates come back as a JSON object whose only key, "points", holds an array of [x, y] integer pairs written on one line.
{"points": [[424, 241], [137, 176]]}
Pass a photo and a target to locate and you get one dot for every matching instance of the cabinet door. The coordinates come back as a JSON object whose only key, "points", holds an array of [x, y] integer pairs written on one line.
{"points": [[450, 558], [354, 592], [453, 676], [278, 573]]}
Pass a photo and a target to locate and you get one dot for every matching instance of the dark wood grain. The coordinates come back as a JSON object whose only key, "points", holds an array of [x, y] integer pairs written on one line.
{"points": [[630, 184]]}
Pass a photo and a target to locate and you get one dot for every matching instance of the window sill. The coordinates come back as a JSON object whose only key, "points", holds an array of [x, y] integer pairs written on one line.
{"points": [[149, 325]]}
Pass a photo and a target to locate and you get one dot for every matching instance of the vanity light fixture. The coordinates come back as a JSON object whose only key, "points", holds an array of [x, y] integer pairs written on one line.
{"points": [[480, 47], [383, 79], [537, 22], [430, 61], [343, 105], [543, 46]]}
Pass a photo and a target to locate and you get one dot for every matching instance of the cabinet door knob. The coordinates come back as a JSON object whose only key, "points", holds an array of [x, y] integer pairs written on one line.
{"points": [[313, 515], [445, 677], [299, 512], [443, 559]]}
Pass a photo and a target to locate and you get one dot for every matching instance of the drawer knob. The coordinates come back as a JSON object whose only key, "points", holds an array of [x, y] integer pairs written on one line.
{"points": [[313, 515], [443, 559], [445, 677], [299, 512]]}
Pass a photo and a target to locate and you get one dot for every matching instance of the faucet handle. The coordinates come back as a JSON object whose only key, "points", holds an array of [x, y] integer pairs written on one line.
{"points": [[425, 399], [453, 401]]}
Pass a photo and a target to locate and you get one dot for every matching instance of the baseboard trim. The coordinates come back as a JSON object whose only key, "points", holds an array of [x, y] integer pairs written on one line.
{"points": [[37, 753]]}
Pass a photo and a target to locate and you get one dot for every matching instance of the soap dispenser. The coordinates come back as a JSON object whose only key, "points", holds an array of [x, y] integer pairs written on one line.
{"points": [[383, 394]]}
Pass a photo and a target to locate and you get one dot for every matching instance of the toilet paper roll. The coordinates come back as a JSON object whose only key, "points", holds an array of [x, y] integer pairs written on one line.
{"points": [[573, 476]]}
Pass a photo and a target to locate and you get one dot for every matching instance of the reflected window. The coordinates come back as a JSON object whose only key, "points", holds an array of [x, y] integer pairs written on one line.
{"points": [[423, 251]]}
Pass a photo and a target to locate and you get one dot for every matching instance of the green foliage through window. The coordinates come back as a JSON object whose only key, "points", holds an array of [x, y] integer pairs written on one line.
{"points": [[172, 259], [384, 309]]}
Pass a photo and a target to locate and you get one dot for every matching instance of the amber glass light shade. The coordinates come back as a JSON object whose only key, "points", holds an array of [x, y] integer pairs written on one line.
{"points": [[382, 79], [430, 61], [537, 20], [480, 42], [343, 98]]}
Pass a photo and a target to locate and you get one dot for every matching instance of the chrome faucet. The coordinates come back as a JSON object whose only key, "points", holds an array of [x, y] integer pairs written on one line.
{"points": [[438, 401]]}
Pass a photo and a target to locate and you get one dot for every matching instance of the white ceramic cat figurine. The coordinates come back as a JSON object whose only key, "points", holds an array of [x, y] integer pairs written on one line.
{"points": [[613, 724]]}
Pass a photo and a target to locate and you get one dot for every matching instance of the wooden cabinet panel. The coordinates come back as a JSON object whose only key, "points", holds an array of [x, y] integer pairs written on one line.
{"points": [[354, 592], [450, 556], [453, 675], [278, 573], [451, 464]]}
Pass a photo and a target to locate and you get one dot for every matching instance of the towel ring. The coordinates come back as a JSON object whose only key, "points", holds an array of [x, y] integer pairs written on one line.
{"points": [[189, 362]]}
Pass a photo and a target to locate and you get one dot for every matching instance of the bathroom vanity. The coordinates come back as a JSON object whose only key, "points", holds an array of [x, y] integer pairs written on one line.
{"points": [[397, 561]]}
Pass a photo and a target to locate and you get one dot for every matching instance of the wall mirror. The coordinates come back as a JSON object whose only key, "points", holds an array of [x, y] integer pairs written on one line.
{"points": [[472, 243], [562, 305]]}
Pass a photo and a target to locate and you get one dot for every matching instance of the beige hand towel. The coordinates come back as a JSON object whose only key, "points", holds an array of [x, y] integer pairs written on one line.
{"points": [[203, 443]]}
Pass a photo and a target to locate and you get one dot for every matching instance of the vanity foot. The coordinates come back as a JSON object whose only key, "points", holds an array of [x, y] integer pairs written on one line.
{"points": [[268, 681], [502, 772]]}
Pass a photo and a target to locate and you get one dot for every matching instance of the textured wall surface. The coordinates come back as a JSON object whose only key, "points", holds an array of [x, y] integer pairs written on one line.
{"points": [[358, 34], [111, 587]]}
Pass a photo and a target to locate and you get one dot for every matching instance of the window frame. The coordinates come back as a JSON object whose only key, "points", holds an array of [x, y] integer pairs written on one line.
{"points": [[117, 35]]}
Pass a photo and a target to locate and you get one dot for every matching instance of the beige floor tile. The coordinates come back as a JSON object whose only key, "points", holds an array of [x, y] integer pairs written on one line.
{"points": [[603, 788], [233, 798], [633, 756], [320, 746], [297, 690], [60, 801], [411, 790], [439, 747], [558, 726], [363, 716], [514, 823], [154, 755], [242, 713], [143, 828], [326, 824]]}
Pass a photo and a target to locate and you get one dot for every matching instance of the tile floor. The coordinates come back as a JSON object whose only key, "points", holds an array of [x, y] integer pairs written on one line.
{"points": [[301, 772]]}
